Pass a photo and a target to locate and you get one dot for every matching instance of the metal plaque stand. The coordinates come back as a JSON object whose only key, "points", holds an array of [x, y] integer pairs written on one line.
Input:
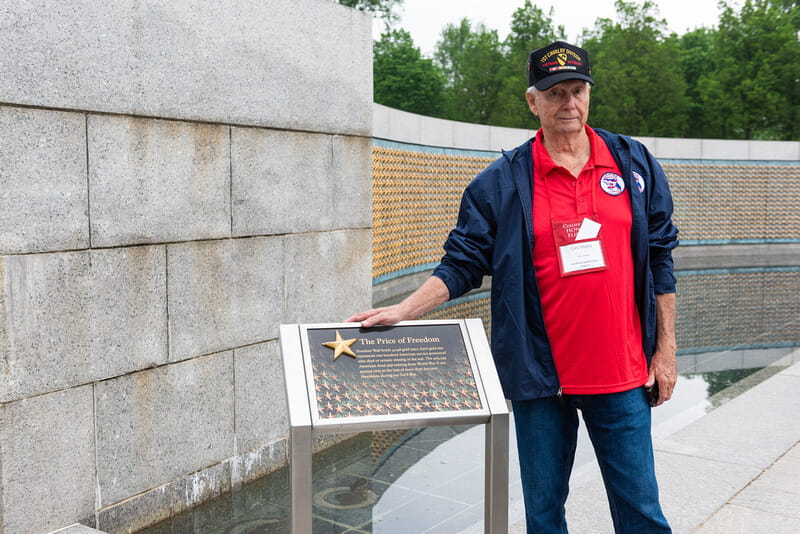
{"points": [[304, 422]]}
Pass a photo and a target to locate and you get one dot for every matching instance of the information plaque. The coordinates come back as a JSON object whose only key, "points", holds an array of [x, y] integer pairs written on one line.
{"points": [[343, 378], [403, 370]]}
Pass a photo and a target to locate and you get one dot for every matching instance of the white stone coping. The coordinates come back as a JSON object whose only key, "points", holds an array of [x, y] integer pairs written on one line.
{"points": [[77, 528], [395, 125]]}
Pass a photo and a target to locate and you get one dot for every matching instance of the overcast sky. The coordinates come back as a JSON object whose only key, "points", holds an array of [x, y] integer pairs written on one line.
{"points": [[424, 19]]}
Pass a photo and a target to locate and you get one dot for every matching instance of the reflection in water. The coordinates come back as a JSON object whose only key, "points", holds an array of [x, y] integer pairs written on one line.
{"points": [[720, 380], [730, 309]]}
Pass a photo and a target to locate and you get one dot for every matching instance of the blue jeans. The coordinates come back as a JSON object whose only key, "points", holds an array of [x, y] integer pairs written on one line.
{"points": [[619, 427]]}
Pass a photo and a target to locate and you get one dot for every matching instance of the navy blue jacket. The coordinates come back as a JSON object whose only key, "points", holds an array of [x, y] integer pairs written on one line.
{"points": [[494, 236]]}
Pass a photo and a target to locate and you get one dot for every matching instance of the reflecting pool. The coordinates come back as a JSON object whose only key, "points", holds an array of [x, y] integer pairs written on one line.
{"points": [[736, 328]]}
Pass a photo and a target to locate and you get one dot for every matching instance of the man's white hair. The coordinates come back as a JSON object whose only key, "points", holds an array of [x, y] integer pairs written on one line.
{"points": [[533, 90]]}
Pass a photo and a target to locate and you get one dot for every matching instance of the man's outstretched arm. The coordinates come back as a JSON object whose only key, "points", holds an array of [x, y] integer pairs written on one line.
{"points": [[428, 296]]}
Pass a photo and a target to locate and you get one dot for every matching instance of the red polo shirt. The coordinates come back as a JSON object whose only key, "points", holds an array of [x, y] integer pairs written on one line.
{"points": [[591, 318]]}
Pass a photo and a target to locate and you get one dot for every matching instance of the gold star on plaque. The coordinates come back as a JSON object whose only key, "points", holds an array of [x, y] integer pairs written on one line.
{"points": [[341, 346]]}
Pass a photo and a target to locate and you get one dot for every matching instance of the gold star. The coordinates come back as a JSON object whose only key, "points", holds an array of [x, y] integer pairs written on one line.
{"points": [[341, 346]]}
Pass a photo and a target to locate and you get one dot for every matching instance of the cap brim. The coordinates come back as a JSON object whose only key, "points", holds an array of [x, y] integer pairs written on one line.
{"points": [[550, 81]]}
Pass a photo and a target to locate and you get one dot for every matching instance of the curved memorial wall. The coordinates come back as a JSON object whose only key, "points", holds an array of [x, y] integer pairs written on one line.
{"points": [[736, 205]]}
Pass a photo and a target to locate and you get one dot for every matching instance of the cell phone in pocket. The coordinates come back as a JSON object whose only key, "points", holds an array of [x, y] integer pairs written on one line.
{"points": [[652, 394]]}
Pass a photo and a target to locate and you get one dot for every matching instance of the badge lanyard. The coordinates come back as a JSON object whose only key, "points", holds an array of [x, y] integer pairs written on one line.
{"points": [[578, 241]]}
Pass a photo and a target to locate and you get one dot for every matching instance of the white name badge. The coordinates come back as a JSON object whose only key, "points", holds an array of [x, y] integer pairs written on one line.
{"points": [[580, 247], [583, 256]]}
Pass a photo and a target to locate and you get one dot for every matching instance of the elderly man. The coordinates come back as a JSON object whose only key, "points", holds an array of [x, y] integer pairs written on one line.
{"points": [[575, 226]]}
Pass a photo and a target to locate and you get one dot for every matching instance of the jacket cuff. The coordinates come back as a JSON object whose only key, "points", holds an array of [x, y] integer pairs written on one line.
{"points": [[453, 283]]}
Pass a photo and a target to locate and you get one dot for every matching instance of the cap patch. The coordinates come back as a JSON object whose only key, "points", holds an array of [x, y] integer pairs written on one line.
{"points": [[560, 59]]}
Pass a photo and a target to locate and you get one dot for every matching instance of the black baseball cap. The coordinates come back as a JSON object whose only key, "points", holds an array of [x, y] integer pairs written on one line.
{"points": [[557, 62]]}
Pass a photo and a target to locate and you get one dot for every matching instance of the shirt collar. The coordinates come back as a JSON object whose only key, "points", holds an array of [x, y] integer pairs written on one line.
{"points": [[600, 157]]}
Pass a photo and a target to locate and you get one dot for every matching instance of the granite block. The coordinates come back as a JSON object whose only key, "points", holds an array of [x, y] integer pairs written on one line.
{"points": [[77, 529], [782, 475], [201, 486], [76, 317], [667, 148], [224, 294], [734, 519], [775, 150], [692, 488], [43, 192], [261, 412], [328, 276], [258, 463], [286, 182], [709, 362], [168, 500], [155, 426], [725, 149], [756, 358], [233, 61], [380, 121], [154, 181], [794, 453], [794, 370], [352, 182], [436, 132], [138, 512], [47, 455], [405, 127], [738, 433], [471, 136], [783, 500], [648, 142], [506, 138], [686, 363]]}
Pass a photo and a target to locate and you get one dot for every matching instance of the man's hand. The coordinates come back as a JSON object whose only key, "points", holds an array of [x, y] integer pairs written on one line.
{"points": [[428, 296], [379, 316], [663, 367]]}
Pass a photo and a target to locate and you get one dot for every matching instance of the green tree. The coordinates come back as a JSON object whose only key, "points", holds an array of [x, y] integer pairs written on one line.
{"points": [[471, 61], [531, 28], [640, 86], [697, 60], [403, 79], [450, 50], [384, 9], [754, 91]]}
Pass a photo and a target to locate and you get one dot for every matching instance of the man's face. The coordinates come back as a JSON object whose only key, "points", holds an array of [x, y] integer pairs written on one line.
{"points": [[563, 108]]}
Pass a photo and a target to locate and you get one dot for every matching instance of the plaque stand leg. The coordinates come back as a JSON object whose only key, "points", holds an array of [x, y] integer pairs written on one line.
{"points": [[300, 445], [496, 471]]}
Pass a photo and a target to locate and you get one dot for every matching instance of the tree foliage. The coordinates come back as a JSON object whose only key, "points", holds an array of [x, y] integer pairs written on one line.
{"points": [[697, 61], [639, 85], [384, 9], [471, 59], [738, 80], [753, 89], [403, 79]]}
